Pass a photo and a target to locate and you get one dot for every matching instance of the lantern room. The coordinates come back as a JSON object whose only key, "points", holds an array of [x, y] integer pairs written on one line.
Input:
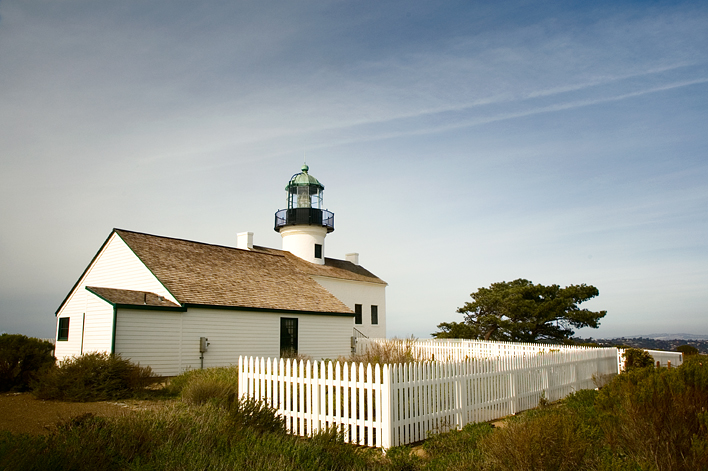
{"points": [[304, 224], [304, 203]]}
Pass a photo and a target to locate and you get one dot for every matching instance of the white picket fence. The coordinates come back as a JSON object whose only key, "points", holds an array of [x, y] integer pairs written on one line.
{"points": [[399, 404], [462, 349], [457, 349]]}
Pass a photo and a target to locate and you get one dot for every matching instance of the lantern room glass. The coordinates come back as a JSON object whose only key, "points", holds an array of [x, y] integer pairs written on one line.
{"points": [[304, 196]]}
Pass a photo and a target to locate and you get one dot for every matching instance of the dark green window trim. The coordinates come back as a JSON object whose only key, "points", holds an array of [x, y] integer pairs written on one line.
{"points": [[318, 250], [63, 329], [374, 315], [113, 334], [288, 336], [357, 313]]}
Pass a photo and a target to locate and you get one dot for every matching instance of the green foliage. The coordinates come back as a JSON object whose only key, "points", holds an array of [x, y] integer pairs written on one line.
{"points": [[200, 386], [521, 311], [697, 359], [22, 359], [637, 358], [257, 416], [657, 417], [93, 377], [180, 437], [456, 330], [457, 449], [687, 350], [645, 419], [201, 390], [548, 440], [219, 387]]}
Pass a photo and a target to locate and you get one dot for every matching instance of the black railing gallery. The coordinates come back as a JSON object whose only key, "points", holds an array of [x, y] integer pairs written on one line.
{"points": [[304, 216]]}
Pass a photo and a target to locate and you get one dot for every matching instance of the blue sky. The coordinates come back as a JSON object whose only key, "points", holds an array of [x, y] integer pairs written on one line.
{"points": [[460, 144]]}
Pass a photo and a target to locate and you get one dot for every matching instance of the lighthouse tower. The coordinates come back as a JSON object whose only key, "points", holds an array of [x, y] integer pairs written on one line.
{"points": [[304, 224]]}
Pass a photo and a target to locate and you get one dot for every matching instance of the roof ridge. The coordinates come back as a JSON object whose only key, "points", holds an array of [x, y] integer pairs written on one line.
{"points": [[118, 230]]}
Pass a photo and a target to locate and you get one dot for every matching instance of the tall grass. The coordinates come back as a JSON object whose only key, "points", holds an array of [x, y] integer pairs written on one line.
{"points": [[179, 437], [391, 351], [211, 384], [644, 419]]}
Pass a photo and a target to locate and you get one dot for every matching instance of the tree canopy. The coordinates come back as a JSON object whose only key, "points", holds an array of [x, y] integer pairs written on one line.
{"points": [[521, 311]]}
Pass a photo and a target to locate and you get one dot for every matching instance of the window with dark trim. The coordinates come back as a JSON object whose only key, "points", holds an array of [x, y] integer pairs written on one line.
{"points": [[357, 313], [374, 315], [318, 250], [288, 336], [63, 330]]}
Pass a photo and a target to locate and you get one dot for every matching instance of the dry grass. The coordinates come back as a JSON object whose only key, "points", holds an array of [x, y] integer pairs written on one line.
{"points": [[391, 351]]}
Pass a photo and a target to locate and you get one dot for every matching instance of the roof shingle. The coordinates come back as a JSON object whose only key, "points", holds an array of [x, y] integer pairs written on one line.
{"points": [[204, 274], [131, 298]]}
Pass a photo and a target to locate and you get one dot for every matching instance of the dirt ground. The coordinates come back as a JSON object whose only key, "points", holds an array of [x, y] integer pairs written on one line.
{"points": [[22, 413]]}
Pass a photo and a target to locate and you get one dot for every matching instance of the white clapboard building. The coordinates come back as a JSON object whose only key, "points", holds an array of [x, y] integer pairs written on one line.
{"points": [[176, 304]]}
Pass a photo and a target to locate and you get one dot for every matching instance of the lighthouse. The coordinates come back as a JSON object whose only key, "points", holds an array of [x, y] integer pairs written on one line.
{"points": [[304, 224]]}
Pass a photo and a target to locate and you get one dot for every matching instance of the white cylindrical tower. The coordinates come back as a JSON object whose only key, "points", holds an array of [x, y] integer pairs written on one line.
{"points": [[304, 224]]}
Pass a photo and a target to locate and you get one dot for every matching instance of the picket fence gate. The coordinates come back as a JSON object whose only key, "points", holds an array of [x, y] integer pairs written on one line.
{"points": [[391, 405]]}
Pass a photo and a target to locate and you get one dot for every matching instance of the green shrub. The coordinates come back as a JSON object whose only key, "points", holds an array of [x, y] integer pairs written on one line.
{"points": [[22, 359], [687, 350], [637, 358], [200, 390], [658, 417], [219, 385], [224, 375], [549, 439], [256, 415], [697, 359], [93, 377]]}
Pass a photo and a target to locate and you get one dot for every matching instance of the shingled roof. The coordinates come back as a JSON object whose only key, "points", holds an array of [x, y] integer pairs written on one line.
{"points": [[127, 297], [213, 275]]}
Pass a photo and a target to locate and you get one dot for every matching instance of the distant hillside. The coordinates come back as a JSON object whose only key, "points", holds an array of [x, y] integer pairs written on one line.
{"points": [[671, 336], [651, 343]]}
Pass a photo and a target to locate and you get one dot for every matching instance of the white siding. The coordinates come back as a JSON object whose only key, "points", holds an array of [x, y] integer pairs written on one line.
{"points": [[323, 336], [358, 292], [116, 266], [169, 342], [150, 338], [98, 326]]}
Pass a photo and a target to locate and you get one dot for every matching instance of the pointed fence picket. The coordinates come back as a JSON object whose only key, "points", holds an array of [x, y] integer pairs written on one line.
{"points": [[403, 403], [320, 395]]}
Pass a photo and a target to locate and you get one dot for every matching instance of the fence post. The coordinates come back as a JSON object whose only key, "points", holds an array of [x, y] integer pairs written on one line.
{"points": [[386, 422], [461, 380], [512, 391], [241, 376]]}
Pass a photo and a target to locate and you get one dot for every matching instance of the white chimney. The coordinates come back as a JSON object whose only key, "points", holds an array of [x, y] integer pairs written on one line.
{"points": [[244, 240], [353, 257]]}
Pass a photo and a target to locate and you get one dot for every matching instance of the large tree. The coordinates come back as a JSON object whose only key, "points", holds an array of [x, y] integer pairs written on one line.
{"points": [[521, 311]]}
